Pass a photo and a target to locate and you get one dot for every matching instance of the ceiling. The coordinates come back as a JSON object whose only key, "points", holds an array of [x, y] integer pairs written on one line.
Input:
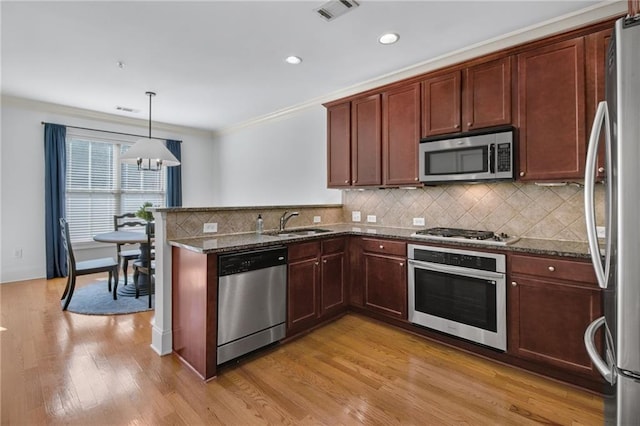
{"points": [[217, 64]]}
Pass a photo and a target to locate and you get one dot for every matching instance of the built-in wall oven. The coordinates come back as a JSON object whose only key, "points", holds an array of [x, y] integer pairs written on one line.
{"points": [[459, 292]]}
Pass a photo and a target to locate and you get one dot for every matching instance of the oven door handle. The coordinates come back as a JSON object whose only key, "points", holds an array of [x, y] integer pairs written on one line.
{"points": [[456, 270]]}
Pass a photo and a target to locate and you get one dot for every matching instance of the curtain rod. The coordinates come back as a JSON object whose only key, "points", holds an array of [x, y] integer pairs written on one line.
{"points": [[107, 131]]}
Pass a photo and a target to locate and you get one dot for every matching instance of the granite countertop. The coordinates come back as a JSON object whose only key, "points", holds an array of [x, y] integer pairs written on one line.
{"points": [[235, 242]]}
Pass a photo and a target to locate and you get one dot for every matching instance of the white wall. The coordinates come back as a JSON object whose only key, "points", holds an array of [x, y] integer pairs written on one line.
{"points": [[22, 176], [282, 161]]}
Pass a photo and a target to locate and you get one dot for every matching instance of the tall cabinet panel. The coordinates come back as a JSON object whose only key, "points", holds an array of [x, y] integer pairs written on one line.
{"points": [[366, 147], [339, 145], [401, 134], [552, 115]]}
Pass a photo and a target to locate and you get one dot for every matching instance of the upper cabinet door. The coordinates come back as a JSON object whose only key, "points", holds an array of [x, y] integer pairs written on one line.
{"points": [[339, 145], [366, 147], [441, 104], [401, 134], [551, 86], [597, 45], [487, 95]]}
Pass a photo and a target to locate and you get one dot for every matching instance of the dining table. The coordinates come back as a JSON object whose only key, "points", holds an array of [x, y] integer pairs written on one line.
{"points": [[129, 237]]}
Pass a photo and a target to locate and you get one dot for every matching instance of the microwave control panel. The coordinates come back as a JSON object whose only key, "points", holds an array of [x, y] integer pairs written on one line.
{"points": [[504, 157]]}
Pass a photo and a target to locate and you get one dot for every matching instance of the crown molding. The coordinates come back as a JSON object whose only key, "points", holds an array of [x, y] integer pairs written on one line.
{"points": [[103, 117], [592, 14]]}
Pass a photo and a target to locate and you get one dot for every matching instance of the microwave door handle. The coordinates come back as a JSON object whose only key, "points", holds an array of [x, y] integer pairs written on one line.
{"points": [[589, 342], [492, 158], [602, 115], [484, 275]]}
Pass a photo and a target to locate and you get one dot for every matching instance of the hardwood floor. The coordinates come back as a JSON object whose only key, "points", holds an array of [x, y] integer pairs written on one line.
{"points": [[65, 368]]}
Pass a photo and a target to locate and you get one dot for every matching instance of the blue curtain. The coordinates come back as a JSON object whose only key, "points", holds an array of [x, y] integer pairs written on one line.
{"points": [[174, 176], [55, 159]]}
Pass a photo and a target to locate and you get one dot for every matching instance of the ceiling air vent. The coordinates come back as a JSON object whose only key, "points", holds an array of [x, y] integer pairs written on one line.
{"points": [[334, 8]]}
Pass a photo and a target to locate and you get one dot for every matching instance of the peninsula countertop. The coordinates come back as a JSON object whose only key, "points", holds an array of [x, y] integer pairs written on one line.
{"points": [[243, 241]]}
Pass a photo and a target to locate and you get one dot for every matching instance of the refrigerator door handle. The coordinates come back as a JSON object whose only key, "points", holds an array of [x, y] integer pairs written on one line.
{"points": [[589, 342], [602, 116]]}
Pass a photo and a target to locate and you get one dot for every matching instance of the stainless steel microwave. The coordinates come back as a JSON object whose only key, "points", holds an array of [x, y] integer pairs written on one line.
{"points": [[472, 157]]}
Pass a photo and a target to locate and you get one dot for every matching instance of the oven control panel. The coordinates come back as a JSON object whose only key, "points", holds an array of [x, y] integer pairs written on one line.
{"points": [[461, 258]]}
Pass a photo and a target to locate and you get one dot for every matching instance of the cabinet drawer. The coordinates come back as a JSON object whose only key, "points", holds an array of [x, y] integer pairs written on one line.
{"points": [[333, 245], [304, 250], [398, 248], [568, 270]]}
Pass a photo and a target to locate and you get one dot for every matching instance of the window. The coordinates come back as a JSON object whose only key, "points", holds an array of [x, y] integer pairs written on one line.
{"points": [[99, 186]]}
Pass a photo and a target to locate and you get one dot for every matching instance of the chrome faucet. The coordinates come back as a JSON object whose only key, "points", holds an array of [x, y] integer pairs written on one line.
{"points": [[285, 218]]}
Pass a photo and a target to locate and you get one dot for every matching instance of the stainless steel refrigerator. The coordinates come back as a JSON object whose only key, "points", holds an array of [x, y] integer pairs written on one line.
{"points": [[617, 264]]}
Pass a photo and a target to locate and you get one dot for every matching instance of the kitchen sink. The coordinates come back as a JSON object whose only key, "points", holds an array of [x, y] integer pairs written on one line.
{"points": [[299, 232]]}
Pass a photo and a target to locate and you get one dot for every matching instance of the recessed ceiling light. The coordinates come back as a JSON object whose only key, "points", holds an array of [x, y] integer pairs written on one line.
{"points": [[389, 38], [294, 60]]}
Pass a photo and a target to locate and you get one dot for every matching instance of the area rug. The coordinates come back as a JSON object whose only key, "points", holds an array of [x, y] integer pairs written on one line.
{"points": [[95, 299]]}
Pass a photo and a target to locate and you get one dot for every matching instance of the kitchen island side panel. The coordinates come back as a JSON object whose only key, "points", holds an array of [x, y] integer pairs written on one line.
{"points": [[194, 308]]}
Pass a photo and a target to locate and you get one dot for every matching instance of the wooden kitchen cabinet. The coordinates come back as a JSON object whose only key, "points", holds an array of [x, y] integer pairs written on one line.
{"points": [[486, 100], [551, 302], [441, 99], [339, 145], [552, 117], [366, 144], [401, 134], [474, 98], [316, 283], [384, 277], [597, 45]]}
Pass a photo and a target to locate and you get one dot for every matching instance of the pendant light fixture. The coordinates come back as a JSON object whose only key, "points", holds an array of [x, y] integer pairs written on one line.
{"points": [[148, 153]]}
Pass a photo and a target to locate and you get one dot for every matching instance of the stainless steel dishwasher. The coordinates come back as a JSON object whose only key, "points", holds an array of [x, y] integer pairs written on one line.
{"points": [[252, 301]]}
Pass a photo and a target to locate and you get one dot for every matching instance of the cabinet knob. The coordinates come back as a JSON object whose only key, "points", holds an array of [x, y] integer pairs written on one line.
{"points": [[514, 284], [551, 268], [416, 179], [457, 126], [381, 246], [346, 181], [401, 264], [600, 169], [317, 263], [469, 124], [324, 261], [521, 173]]}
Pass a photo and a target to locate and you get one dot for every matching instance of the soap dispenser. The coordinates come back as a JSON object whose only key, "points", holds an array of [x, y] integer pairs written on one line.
{"points": [[259, 224]]}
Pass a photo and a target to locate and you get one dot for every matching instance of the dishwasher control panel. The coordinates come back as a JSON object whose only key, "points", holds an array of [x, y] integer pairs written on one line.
{"points": [[236, 263]]}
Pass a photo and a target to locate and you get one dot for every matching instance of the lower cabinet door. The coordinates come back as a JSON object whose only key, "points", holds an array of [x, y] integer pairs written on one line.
{"points": [[302, 305], [332, 288], [547, 321], [385, 285]]}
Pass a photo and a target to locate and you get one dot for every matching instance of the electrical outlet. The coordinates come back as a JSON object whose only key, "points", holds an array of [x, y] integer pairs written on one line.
{"points": [[210, 227], [601, 231], [355, 217], [317, 219], [418, 221], [17, 253], [371, 218]]}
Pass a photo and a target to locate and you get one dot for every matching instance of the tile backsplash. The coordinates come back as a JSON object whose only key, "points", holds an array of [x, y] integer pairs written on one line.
{"points": [[526, 210]]}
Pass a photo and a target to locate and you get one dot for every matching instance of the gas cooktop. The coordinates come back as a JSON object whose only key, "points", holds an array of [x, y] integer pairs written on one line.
{"points": [[466, 235]]}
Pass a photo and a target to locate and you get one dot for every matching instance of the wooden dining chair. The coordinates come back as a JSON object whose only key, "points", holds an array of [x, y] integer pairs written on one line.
{"points": [[122, 222], [146, 264], [85, 267]]}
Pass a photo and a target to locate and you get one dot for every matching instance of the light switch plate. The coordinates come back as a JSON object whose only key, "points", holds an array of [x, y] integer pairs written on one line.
{"points": [[210, 227], [371, 218], [355, 216], [418, 221], [317, 219], [601, 231]]}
